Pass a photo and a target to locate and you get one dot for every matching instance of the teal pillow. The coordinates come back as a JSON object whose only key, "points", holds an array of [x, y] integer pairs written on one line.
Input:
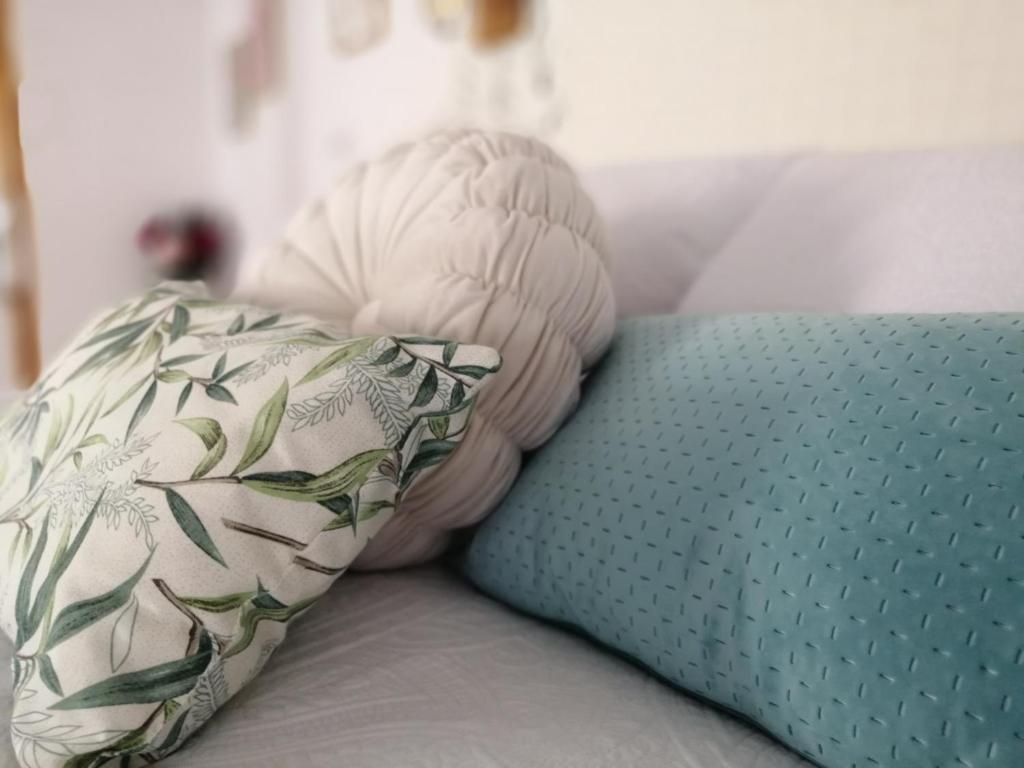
{"points": [[812, 521]]}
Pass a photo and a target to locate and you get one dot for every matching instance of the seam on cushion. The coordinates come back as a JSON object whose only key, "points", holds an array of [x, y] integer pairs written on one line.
{"points": [[519, 298], [478, 417], [294, 568], [474, 172], [561, 170], [479, 170], [516, 294], [578, 237], [169, 724], [520, 373], [783, 173], [357, 233], [315, 265], [364, 295], [459, 212], [290, 570], [394, 237], [577, 358], [218, 658], [467, 141], [358, 285], [471, 138]]}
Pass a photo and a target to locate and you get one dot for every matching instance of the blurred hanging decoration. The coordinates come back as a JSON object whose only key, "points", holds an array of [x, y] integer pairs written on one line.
{"points": [[491, 22], [446, 17], [496, 22], [256, 62], [358, 25], [504, 73], [192, 244], [18, 294], [502, 67]]}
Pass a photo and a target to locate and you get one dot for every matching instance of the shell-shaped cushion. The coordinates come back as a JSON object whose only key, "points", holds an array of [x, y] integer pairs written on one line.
{"points": [[475, 236]]}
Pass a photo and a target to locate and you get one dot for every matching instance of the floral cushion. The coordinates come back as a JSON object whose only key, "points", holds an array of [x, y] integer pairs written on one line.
{"points": [[184, 481], [478, 236]]}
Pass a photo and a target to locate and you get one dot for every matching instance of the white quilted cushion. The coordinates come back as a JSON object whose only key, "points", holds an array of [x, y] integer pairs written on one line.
{"points": [[478, 237]]}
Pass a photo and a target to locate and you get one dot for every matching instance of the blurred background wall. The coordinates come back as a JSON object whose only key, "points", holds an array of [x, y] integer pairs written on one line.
{"points": [[250, 107], [692, 76]]}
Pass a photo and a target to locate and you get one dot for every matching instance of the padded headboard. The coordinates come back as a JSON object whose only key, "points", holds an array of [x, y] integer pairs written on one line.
{"points": [[887, 232]]}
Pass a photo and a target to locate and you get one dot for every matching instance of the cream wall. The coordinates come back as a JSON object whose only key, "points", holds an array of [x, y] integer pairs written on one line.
{"points": [[657, 78], [125, 103], [113, 128]]}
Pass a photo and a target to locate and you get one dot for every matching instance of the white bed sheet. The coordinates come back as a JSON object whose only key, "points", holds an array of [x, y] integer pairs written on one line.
{"points": [[415, 668]]}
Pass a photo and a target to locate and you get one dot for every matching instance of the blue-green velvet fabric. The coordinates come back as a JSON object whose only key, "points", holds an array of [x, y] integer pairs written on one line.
{"points": [[813, 521]]}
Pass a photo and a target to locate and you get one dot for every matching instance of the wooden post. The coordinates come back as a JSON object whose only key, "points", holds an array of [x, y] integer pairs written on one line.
{"points": [[21, 293]]}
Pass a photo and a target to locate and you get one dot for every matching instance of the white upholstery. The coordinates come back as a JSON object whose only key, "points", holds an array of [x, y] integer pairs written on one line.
{"points": [[936, 231], [416, 669], [478, 237], [906, 232], [667, 221]]}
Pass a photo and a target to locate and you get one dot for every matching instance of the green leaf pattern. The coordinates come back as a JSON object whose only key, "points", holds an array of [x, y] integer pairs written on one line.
{"points": [[160, 480]]}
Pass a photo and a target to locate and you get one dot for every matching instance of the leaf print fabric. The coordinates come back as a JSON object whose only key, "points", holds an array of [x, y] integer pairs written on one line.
{"points": [[185, 480]]}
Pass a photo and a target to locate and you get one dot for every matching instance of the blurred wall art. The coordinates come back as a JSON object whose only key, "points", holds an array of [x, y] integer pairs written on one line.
{"points": [[130, 109]]}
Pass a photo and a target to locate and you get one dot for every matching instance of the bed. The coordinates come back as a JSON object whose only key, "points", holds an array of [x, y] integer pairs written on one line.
{"points": [[415, 668]]}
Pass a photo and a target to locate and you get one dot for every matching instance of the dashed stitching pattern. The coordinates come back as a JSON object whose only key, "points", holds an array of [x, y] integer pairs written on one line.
{"points": [[813, 521]]}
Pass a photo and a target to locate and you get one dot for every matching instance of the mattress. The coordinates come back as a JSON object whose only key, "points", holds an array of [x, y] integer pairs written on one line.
{"points": [[415, 668]]}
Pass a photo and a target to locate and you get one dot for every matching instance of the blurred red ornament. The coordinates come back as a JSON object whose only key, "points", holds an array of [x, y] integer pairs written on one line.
{"points": [[191, 245]]}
